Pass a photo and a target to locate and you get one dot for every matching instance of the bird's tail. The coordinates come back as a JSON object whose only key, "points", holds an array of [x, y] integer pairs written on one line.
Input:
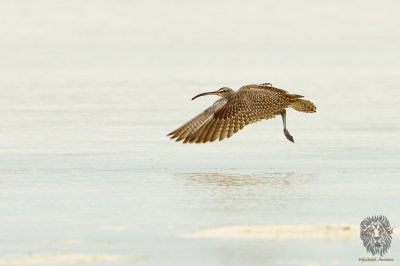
{"points": [[304, 106]]}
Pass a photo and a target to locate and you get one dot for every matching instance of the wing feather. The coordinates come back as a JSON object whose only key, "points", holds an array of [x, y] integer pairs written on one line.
{"points": [[210, 130], [231, 127], [195, 123], [224, 130], [248, 105], [217, 131]]}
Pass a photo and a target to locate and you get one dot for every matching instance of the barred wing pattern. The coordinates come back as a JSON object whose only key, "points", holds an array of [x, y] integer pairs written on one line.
{"points": [[250, 104], [195, 123]]}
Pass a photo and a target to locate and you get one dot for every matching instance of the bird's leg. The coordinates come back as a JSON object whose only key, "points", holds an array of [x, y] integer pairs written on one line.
{"points": [[285, 131]]}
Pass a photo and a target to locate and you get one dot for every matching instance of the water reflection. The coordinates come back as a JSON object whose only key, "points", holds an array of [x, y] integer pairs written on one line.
{"points": [[259, 193], [274, 179]]}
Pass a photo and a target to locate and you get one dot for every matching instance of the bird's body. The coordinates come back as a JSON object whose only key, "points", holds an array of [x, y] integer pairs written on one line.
{"points": [[228, 115]]}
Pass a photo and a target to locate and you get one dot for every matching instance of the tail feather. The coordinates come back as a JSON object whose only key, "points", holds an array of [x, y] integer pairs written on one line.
{"points": [[304, 106]]}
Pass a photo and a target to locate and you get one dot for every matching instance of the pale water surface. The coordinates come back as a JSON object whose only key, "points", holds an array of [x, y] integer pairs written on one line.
{"points": [[89, 90]]}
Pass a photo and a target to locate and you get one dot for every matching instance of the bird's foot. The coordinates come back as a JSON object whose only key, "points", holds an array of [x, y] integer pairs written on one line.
{"points": [[288, 136]]}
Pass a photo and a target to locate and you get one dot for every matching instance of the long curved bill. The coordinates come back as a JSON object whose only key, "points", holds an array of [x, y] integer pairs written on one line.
{"points": [[205, 93]]}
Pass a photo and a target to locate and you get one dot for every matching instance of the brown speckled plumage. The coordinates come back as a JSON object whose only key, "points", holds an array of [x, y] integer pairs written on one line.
{"points": [[228, 115]]}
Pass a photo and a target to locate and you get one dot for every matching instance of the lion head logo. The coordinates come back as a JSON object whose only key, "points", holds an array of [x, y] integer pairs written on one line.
{"points": [[376, 234]]}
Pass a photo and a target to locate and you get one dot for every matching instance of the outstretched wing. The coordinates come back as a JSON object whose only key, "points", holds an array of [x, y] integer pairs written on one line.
{"points": [[249, 104], [196, 122]]}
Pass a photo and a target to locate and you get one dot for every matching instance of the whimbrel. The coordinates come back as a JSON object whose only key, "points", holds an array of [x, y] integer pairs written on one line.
{"points": [[228, 115]]}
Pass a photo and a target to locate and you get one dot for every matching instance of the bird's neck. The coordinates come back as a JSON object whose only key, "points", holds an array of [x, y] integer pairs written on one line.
{"points": [[228, 95]]}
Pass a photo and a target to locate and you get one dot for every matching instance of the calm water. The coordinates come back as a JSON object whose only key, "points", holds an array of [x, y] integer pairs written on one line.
{"points": [[89, 90]]}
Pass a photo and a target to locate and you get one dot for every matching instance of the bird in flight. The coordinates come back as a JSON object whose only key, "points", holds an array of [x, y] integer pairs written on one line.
{"points": [[228, 115]]}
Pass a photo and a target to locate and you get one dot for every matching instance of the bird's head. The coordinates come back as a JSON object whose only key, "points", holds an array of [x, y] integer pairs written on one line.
{"points": [[224, 92]]}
